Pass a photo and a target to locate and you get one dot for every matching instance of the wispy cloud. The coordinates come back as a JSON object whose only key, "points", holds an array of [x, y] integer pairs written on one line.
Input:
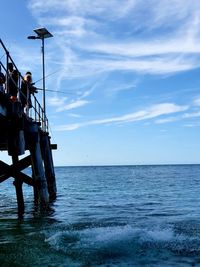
{"points": [[80, 31], [56, 101], [196, 102], [172, 45], [72, 105], [191, 115], [74, 115], [167, 120], [193, 112], [151, 112], [60, 103], [87, 46], [123, 88], [84, 8], [192, 125]]}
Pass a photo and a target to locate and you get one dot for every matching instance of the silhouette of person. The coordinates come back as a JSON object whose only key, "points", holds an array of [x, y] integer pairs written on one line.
{"points": [[10, 68], [27, 89], [8, 76], [13, 84], [2, 81]]}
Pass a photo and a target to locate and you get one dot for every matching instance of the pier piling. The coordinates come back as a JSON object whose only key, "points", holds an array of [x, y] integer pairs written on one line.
{"points": [[48, 165], [18, 187], [41, 190]]}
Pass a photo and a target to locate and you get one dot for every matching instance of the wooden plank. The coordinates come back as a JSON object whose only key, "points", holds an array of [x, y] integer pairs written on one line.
{"points": [[25, 178], [3, 147], [20, 175], [20, 165], [8, 171], [54, 146], [4, 168], [23, 163]]}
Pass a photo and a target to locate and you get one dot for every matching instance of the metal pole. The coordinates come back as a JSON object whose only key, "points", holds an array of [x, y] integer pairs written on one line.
{"points": [[7, 60], [43, 76]]}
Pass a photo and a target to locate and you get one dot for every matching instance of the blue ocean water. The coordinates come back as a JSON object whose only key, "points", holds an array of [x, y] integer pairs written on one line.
{"points": [[107, 216]]}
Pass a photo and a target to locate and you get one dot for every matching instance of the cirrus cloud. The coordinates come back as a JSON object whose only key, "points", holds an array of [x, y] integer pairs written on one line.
{"points": [[149, 113]]}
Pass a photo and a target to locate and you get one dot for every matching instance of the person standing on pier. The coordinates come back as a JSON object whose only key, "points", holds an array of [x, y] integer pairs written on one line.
{"points": [[2, 81], [13, 85], [8, 75], [12, 82], [27, 89]]}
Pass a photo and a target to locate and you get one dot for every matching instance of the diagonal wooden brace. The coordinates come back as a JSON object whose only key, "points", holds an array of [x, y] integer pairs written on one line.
{"points": [[14, 170]]}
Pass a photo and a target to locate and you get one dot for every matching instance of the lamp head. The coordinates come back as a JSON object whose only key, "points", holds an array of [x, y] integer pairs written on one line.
{"points": [[33, 37]]}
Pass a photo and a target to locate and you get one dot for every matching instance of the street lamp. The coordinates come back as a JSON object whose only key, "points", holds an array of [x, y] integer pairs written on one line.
{"points": [[42, 33]]}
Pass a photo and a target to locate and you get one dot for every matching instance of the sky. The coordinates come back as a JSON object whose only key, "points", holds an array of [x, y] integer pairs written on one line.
{"points": [[124, 77]]}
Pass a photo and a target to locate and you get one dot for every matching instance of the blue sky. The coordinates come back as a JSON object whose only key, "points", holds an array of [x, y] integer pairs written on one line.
{"points": [[129, 70]]}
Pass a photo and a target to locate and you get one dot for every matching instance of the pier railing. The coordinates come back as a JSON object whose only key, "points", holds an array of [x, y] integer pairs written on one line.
{"points": [[36, 112]]}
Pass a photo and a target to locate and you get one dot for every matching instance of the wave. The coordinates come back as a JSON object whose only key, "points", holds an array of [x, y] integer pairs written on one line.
{"points": [[125, 244]]}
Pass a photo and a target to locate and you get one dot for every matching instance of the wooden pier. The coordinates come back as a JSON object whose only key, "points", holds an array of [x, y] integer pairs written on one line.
{"points": [[21, 132]]}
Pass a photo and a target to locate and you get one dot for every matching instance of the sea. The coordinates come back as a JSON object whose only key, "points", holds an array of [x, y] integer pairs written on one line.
{"points": [[138, 216]]}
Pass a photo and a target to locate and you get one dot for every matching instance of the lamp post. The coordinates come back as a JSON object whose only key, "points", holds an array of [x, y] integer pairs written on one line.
{"points": [[42, 33]]}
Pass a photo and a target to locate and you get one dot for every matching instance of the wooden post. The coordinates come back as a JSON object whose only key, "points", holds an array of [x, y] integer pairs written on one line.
{"points": [[48, 164], [40, 187], [16, 147], [18, 187]]}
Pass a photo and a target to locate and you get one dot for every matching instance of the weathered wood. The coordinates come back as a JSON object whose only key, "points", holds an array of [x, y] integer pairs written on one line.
{"points": [[53, 146], [18, 187], [37, 165], [3, 133], [7, 171], [16, 144], [20, 175], [3, 146], [23, 163], [48, 164]]}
